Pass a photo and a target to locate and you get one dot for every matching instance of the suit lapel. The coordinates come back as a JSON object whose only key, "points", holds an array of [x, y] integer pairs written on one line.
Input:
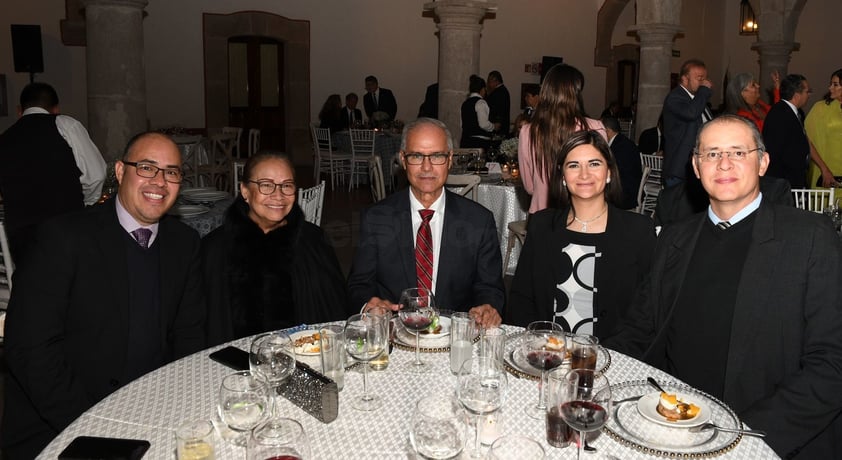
{"points": [[111, 245], [406, 234]]}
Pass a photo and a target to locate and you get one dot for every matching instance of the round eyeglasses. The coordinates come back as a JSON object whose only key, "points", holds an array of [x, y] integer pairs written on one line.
{"points": [[268, 187]]}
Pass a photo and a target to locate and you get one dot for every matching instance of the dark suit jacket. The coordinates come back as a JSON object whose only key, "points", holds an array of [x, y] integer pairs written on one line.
{"points": [[499, 106], [787, 145], [346, 122], [67, 322], [650, 141], [385, 103], [627, 248], [682, 120], [628, 162], [683, 200], [470, 264], [784, 368]]}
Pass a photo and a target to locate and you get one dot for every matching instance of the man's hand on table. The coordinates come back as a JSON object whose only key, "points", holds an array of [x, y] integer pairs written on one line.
{"points": [[377, 302], [485, 315]]}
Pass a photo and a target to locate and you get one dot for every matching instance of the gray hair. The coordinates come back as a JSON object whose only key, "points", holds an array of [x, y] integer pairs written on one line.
{"points": [[734, 92], [728, 118], [426, 121]]}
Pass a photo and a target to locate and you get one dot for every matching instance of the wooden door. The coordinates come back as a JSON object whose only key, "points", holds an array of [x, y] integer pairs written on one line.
{"points": [[255, 89]]}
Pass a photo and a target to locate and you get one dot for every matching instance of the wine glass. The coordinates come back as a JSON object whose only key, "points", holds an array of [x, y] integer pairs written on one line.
{"points": [[366, 338], [438, 426], [273, 356], [585, 402], [243, 399], [278, 438], [481, 388], [544, 346], [515, 446], [417, 310]]}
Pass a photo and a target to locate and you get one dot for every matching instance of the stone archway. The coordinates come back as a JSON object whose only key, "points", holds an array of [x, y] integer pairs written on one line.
{"points": [[295, 35]]}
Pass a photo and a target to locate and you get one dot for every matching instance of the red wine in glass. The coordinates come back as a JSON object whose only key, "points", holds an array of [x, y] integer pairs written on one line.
{"points": [[284, 457], [584, 415], [544, 360], [416, 321], [559, 433]]}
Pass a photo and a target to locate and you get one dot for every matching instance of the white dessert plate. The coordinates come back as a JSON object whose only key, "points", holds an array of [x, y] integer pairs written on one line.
{"points": [[444, 321], [648, 408], [188, 210], [204, 196], [300, 345]]}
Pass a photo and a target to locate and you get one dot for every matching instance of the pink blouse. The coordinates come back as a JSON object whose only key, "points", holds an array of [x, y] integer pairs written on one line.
{"points": [[535, 184]]}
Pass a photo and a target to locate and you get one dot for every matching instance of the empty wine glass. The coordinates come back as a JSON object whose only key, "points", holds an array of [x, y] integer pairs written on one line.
{"points": [[438, 426], [585, 398], [544, 347], [481, 388], [417, 310], [243, 402], [273, 356], [278, 439], [516, 446], [366, 337]]}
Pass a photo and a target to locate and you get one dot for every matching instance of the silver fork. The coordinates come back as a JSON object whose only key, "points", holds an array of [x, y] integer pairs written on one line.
{"points": [[711, 426]]}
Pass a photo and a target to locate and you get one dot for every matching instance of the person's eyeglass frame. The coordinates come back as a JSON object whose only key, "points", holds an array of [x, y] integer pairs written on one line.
{"points": [[417, 159], [263, 186], [149, 167], [715, 156]]}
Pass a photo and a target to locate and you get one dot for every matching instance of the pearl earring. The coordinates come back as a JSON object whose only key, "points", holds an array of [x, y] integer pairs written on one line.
{"points": [[608, 181], [564, 182]]}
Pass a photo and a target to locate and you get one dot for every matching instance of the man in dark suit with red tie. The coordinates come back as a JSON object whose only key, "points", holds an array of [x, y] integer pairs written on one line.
{"points": [[109, 294], [466, 261], [783, 132]]}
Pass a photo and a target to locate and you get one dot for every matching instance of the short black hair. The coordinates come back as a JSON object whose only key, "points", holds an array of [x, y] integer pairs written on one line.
{"points": [[371, 78], [790, 85], [38, 94], [611, 123], [475, 84], [350, 96], [495, 75]]}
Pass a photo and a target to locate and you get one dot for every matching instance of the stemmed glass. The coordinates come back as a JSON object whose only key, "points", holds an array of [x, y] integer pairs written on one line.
{"points": [[366, 337], [438, 426], [585, 402], [273, 356], [243, 399], [545, 348], [417, 310], [481, 388], [278, 438]]}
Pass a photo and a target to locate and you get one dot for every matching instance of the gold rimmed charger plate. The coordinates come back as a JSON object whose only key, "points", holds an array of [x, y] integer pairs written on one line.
{"points": [[516, 363]]}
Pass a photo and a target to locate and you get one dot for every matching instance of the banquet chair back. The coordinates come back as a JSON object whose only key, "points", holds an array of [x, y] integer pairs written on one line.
{"points": [[237, 176], [814, 200], [517, 233], [375, 176], [627, 127], [325, 160], [311, 200], [464, 184], [7, 267], [254, 141], [219, 167], [652, 185], [362, 149], [237, 133], [641, 189]]}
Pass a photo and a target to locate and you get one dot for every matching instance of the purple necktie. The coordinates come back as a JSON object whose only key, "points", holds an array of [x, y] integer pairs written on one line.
{"points": [[142, 236], [424, 251]]}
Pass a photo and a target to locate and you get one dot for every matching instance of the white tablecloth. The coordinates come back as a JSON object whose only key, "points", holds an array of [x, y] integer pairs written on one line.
{"points": [[152, 406], [508, 203]]}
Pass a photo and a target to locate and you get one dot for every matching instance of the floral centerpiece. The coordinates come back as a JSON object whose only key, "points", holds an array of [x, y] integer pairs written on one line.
{"points": [[509, 148]]}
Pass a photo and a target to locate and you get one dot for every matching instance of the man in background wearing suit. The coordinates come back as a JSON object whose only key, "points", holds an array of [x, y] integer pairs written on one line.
{"points": [[350, 114], [651, 141], [628, 161], [466, 272], [110, 293], [745, 301], [783, 132], [685, 109], [499, 102], [378, 99]]}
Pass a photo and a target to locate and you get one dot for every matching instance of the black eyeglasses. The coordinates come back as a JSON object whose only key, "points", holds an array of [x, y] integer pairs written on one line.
{"points": [[268, 187], [171, 175], [415, 159]]}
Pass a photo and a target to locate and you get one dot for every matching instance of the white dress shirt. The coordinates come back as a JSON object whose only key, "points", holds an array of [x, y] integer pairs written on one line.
{"points": [[436, 226], [87, 156]]}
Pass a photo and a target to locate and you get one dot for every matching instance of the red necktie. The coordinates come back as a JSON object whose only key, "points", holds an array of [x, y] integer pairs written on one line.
{"points": [[424, 251]]}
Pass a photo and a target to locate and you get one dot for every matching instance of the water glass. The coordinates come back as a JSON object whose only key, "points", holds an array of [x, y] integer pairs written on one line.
{"points": [[492, 344], [243, 402], [516, 446], [462, 332], [438, 427], [194, 440], [583, 351], [278, 438], [559, 434], [332, 353]]}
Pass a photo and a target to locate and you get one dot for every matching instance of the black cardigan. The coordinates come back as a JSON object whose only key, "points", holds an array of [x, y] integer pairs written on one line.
{"points": [[258, 282], [626, 258]]}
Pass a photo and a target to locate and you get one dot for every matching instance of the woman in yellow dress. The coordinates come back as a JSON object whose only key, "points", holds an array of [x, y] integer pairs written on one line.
{"points": [[824, 129]]}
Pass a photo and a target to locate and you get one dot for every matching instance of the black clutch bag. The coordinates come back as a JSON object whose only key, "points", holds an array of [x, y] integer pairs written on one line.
{"points": [[313, 392]]}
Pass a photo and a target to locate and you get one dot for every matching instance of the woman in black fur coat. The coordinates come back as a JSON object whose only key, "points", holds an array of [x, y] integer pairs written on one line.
{"points": [[266, 268]]}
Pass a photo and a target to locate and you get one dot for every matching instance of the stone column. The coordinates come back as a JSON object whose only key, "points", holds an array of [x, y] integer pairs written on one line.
{"points": [[655, 54], [774, 55], [116, 74], [459, 43]]}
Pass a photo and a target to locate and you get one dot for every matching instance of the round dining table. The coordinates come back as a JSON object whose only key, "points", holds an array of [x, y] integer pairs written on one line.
{"points": [[152, 407]]}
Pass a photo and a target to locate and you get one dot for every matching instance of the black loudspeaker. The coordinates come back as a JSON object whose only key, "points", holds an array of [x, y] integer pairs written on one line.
{"points": [[547, 62], [26, 48]]}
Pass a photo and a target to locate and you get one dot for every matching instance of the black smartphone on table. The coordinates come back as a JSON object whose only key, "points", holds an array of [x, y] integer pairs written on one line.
{"points": [[232, 357], [96, 448]]}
